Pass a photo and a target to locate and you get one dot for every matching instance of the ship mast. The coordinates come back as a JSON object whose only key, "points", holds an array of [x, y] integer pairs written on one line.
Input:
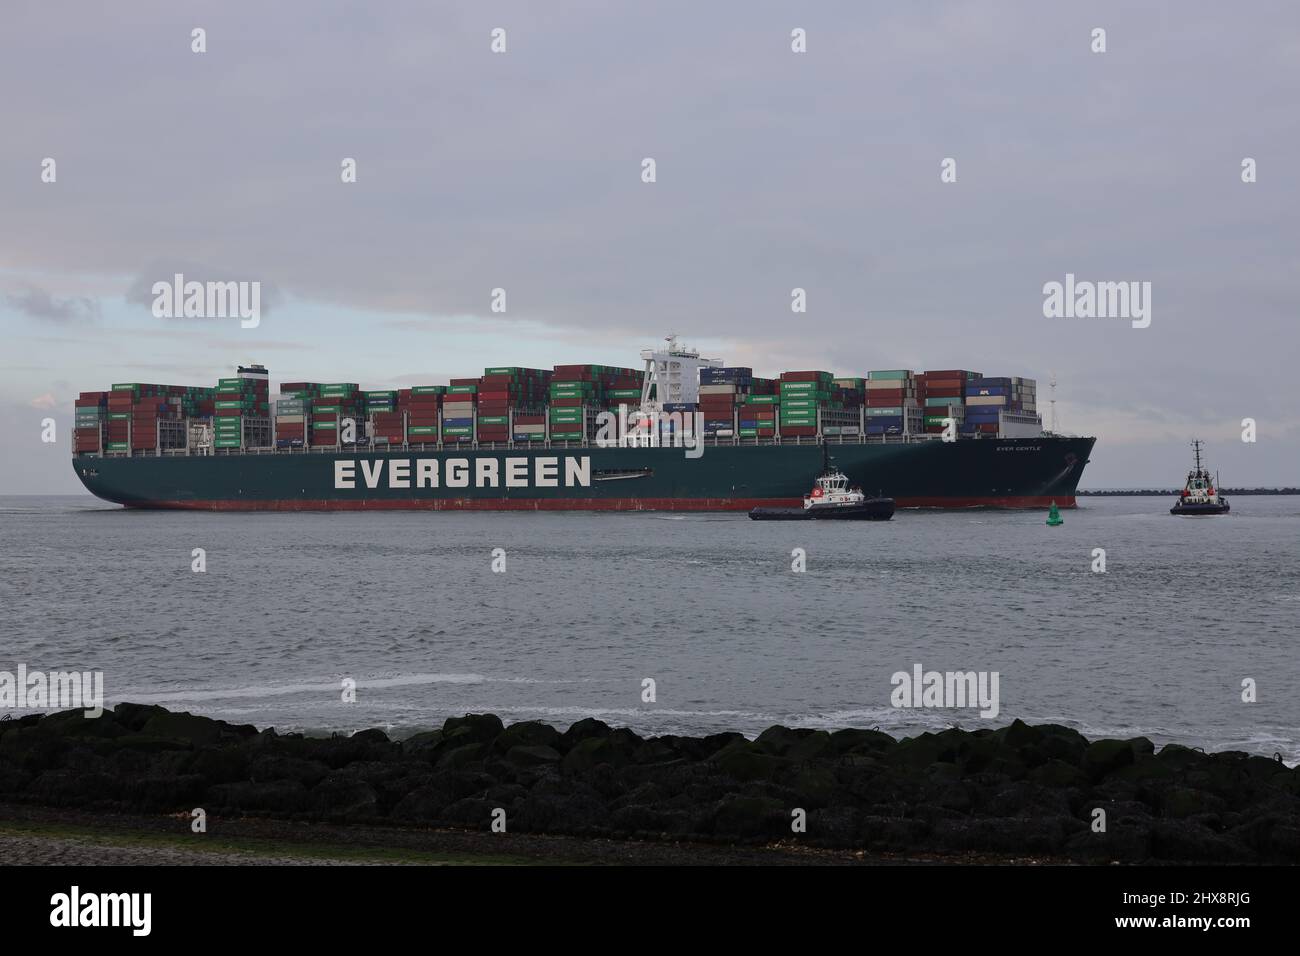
{"points": [[1052, 400], [1196, 445]]}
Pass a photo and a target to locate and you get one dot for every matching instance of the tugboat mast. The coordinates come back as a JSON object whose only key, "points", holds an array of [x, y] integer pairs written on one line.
{"points": [[1196, 446]]}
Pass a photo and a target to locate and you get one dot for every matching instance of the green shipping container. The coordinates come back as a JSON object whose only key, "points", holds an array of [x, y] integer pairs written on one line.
{"points": [[890, 374], [762, 399], [429, 390], [505, 370], [567, 436], [494, 420], [455, 430], [118, 416], [462, 389], [325, 426], [227, 442], [116, 446], [749, 433], [423, 430]]}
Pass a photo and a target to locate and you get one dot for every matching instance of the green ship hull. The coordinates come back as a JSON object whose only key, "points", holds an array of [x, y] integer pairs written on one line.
{"points": [[993, 472]]}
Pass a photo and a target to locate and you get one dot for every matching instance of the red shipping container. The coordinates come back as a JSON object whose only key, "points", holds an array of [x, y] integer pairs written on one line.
{"points": [[799, 430], [803, 376]]}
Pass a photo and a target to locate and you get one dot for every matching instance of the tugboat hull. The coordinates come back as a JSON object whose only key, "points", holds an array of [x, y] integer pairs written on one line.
{"points": [[1200, 509], [873, 509]]}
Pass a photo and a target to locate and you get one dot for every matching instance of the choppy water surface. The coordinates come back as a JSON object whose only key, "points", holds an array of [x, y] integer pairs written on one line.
{"points": [[706, 605]]}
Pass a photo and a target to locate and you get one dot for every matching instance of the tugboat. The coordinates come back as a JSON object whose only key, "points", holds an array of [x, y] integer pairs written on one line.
{"points": [[831, 498], [1198, 496]]}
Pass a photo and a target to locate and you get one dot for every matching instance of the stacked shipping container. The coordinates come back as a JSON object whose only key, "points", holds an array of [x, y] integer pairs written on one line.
{"points": [[422, 408], [518, 404], [892, 405], [802, 394], [90, 422], [331, 410], [507, 393], [724, 402], [987, 398], [943, 395], [293, 413], [242, 412], [579, 392]]}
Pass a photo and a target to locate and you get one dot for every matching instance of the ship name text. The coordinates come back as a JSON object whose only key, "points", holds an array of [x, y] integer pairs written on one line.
{"points": [[479, 472]]}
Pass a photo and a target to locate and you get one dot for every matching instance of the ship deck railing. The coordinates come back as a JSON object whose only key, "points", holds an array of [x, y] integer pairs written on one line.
{"points": [[371, 447]]}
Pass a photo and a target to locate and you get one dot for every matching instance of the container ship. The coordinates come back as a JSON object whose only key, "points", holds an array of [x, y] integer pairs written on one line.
{"points": [[683, 433]]}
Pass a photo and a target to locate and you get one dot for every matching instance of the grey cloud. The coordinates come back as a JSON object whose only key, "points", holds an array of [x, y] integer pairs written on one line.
{"points": [[38, 303]]}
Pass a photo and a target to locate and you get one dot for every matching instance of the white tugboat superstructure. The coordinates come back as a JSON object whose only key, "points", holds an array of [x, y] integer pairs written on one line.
{"points": [[832, 491]]}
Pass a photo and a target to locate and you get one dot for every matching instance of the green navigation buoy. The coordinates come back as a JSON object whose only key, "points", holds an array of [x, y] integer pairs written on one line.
{"points": [[1054, 517]]}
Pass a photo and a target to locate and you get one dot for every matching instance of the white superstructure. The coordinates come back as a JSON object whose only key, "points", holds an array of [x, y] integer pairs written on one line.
{"points": [[673, 373]]}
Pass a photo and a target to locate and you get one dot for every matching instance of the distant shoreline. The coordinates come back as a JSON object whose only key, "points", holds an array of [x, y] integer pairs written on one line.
{"points": [[1165, 492]]}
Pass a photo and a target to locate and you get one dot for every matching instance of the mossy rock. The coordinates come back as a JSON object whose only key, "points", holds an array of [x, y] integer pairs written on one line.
{"points": [[1059, 774], [536, 755], [585, 729], [794, 744], [457, 757], [1108, 755], [1180, 802], [815, 786], [527, 733], [746, 761], [1178, 757], [744, 815], [477, 728], [860, 741], [592, 752], [195, 730], [75, 723], [915, 752]]}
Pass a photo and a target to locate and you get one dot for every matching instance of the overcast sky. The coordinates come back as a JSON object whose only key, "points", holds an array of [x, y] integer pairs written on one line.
{"points": [[775, 170]]}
